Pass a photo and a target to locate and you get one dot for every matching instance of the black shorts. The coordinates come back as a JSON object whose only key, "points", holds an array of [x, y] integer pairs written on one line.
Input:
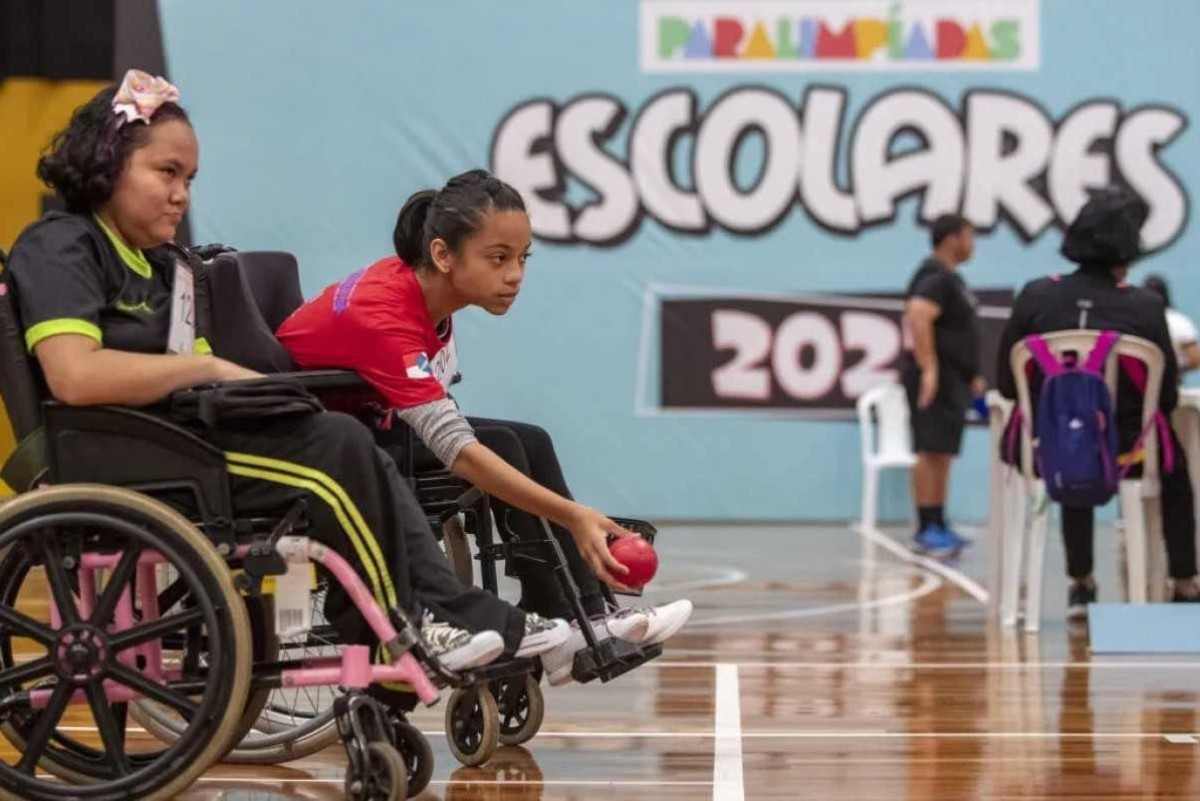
{"points": [[938, 428]]}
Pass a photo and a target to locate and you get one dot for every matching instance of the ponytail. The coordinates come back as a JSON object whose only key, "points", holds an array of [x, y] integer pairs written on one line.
{"points": [[453, 215], [409, 234]]}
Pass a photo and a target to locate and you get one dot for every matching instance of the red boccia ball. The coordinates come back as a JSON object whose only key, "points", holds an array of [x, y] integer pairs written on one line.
{"points": [[637, 555]]}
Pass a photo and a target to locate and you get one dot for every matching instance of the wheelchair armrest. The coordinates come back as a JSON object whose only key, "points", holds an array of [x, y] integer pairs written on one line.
{"points": [[313, 380], [340, 391], [129, 448], [318, 381]]}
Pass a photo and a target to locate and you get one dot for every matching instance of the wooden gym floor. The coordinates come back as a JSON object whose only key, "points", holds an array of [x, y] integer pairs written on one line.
{"points": [[813, 672]]}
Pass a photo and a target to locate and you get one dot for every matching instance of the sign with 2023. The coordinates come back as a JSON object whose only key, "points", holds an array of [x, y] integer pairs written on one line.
{"points": [[811, 355]]}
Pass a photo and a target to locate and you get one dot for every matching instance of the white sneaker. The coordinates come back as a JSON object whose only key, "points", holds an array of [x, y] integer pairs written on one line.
{"points": [[459, 649], [542, 635], [626, 624], [665, 620]]}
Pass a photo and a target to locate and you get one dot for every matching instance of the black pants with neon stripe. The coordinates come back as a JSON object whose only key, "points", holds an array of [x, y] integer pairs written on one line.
{"points": [[359, 505]]}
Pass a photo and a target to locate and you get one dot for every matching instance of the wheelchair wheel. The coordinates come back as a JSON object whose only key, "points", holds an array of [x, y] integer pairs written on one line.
{"points": [[90, 548], [472, 725], [296, 722], [521, 708], [458, 549], [384, 779], [283, 724], [418, 757]]}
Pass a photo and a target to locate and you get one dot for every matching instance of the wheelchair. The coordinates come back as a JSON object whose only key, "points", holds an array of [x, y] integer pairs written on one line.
{"points": [[509, 711], [113, 604], [456, 511]]}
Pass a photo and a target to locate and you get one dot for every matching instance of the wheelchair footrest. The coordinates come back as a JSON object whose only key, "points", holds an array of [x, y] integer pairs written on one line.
{"points": [[497, 670], [611, 658]]}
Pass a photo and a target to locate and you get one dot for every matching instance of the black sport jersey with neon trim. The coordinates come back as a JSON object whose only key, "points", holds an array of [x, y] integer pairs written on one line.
{"points": [[72, 276]]}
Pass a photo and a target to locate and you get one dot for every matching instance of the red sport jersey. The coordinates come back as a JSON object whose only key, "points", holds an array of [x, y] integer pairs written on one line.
{"points": [[375, 323]]}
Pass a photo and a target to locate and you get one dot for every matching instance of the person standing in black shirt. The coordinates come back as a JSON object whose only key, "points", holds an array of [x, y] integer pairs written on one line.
{"points": [[1104, 240], [941, 375]]}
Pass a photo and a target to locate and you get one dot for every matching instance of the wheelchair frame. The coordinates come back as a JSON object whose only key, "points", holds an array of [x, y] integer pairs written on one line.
{"points": [[443, 497]]}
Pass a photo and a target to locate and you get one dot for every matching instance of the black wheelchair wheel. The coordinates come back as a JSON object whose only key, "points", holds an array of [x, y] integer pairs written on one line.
{"points": [[384, 778], [167, 725], [74, 656], [418, 756], [521, 708], [472, 725]]}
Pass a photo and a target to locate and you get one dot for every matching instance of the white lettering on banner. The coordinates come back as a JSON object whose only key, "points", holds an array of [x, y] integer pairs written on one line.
{"points": [[807, 333], [880, 343], [999, 160], [749, 337], [803, 337]]}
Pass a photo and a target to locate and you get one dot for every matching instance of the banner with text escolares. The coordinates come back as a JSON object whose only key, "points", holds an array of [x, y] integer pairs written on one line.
{"points": [[793, 149]]}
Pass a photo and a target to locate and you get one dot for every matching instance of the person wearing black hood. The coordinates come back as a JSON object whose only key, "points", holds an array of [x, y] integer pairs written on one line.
{"points": [[1104, 240]]}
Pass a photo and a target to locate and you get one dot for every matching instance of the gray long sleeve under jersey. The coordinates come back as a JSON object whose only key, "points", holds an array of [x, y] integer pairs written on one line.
{"points": [[442, 428]]}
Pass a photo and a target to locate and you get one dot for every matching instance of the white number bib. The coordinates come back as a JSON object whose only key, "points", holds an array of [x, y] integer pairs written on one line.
{"points": [[182, 335], [445, 364]]}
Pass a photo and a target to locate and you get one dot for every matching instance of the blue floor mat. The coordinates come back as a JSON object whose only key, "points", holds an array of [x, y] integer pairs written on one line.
{"points": [[1144, 628]]}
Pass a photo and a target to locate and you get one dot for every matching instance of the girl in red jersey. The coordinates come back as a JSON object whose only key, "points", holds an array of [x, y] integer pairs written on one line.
{"points": [[392, 322]]}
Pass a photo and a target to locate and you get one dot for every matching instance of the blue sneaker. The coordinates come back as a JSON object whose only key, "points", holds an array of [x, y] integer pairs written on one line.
{"points": [[962, 541], [937, 542]]}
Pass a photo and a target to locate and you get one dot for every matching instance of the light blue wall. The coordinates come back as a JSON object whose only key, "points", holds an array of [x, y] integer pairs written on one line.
{"points": [[318, 119]]}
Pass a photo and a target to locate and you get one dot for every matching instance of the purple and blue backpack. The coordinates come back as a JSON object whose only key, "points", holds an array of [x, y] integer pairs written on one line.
{"points": [[1075, 432]]}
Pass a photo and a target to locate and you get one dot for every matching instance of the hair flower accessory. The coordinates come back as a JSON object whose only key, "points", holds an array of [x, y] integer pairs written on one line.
{"points": [[140, 95]]}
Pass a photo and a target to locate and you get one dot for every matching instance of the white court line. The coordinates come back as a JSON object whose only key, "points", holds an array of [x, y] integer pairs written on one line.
{"points": [[726, 733], [455, 782], [506, 782], [961, 735], [76, 729], [956, 577], [929, 583], [880, 734], [728, 782], [725, 577], [937, 665]]}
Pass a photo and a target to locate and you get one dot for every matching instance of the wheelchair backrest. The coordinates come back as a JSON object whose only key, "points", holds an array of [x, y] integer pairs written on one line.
{"points": [[21, 387], [240, 331], [274, 281]]}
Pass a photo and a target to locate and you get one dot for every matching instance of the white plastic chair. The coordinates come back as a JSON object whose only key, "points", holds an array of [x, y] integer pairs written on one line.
{"points": [[1000, 499], [1186, 422], [1139, 498], [883, 419]]}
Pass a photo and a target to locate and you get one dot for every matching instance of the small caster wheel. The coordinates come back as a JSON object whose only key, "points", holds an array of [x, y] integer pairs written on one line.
{"points": [[385, 777], [472, 725], [417, 755], [521, 706]]}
